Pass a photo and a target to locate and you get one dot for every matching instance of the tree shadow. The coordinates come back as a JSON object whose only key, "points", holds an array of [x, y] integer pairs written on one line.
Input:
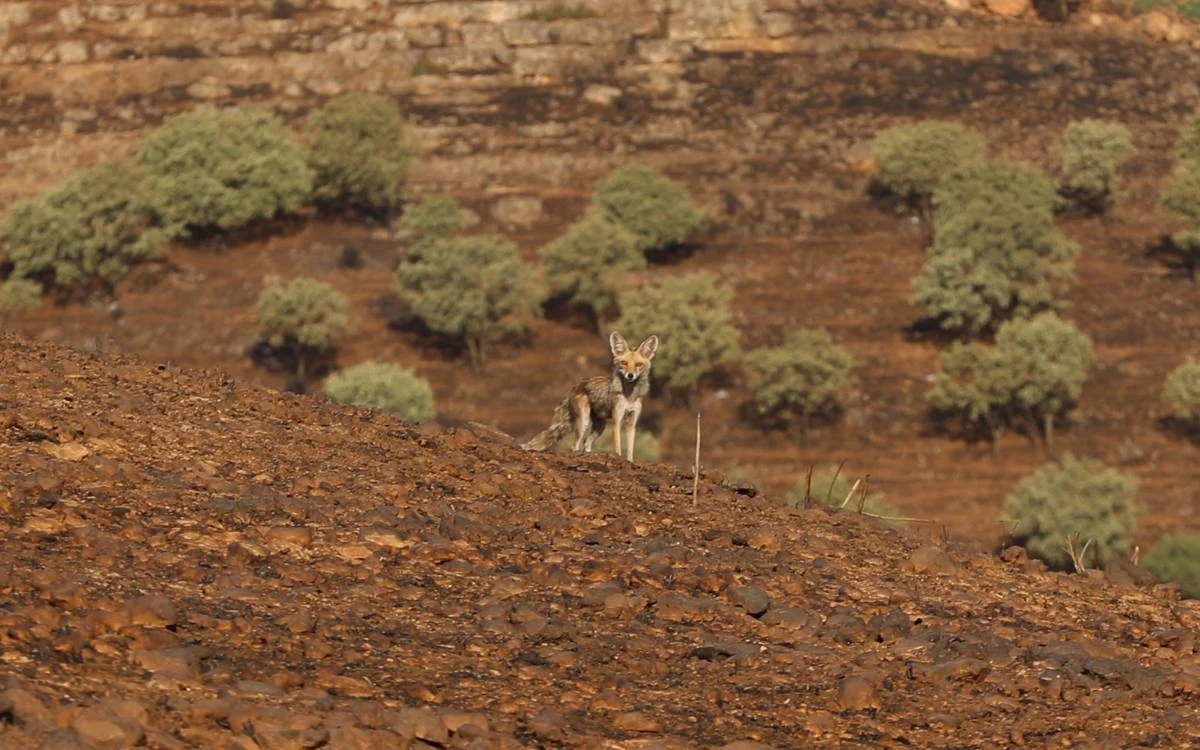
{"points": [[286, 359], [561, 308], [1180, 261], [1185, 429]]}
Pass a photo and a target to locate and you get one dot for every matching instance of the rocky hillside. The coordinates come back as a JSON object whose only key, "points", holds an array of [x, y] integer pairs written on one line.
{"points": [[188, 561]]}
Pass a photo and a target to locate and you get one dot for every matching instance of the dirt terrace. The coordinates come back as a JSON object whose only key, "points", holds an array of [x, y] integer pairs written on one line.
{"points": [[189, 561]]}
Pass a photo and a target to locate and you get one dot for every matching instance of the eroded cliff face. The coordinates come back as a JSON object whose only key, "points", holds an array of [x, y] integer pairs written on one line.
{"points": [[725, 88]]}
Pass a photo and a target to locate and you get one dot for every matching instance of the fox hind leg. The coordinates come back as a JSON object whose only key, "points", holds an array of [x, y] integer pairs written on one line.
{"points": [[596, 428]]}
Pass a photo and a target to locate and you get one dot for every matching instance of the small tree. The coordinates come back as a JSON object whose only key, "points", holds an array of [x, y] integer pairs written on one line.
{"points": [[1180, 198], [219, 170], [1188, 148], [17, 295], [434, 218], [390, 388], [804, 378], [691, 316], [1073, 499], [470, 288], [360, 150], [656, 210], [1092, 154], [913, 159], [1176, 557], [305, 318], [1182, 392], [84, 234], [993, 260], [588, 262], [1030, 377], [964, 188]]}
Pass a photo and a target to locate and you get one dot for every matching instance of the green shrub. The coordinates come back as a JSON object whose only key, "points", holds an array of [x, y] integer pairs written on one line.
{"points": [[589, 262], [994, 260], [691, 316], [656, 210], [830, 488], [1188, 8], [964, 188], [390, 388], [1092, 154], [219, 170], [360, 150], [86, 232], [305, 317], [19, 294], [470, 288], [435, 217], [1030, 378], [913, 159], [1182, 392], [804, 378], [1073, 499], [1176, 557]]}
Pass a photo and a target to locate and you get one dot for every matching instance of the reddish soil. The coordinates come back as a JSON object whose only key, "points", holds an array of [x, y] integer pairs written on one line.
{"points": [[324, 575], [193, 561]]}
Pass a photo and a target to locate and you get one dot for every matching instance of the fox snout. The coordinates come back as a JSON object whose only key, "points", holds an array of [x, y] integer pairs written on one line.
{"points": [[631, 376]]}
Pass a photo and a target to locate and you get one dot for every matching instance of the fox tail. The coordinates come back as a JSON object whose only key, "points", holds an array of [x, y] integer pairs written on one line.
{"points": [[549, 437]]}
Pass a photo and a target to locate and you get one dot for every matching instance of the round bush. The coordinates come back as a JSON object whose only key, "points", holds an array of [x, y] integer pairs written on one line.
{"points": [[589, 262], [390, 388], [19, 294], [1074, 498], [1176, 557], [658, 212], [218, 170], [1181, 391], [991, 259], [803, 378], [86, 232], [470, 288], [913, 159], [1092, 153], [964, 190], [305, 316], [434, 217], [360, 150], [691, 316]]}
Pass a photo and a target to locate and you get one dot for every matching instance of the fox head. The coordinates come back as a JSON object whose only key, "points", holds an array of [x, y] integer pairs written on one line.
{"points": [[632, 364]]}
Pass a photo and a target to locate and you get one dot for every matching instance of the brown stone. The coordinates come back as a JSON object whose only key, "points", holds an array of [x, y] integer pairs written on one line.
{"points": [[1008, 8], [856, 693]]}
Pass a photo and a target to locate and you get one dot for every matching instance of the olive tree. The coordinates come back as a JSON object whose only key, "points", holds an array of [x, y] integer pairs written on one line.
{"points": [[359, 149], [806, 377], [589, 262], [1092, 154], [913, 159], [304, 317], [1030, 378], [219, 170], [86, 233], [473, 289], [658, 211], [1072, 504], [691, 316]]}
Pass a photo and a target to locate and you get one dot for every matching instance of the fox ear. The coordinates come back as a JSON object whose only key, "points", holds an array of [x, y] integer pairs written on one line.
{"points": [[649, 347], [616, 342]]}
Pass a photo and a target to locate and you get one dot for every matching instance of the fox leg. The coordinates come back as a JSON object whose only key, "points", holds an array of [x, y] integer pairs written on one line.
{"points": [[630, 427], [618, 428], [597, 428]]}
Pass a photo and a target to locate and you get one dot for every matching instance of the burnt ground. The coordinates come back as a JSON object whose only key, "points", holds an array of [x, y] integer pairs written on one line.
{"points": [[320, 574], [193, 561]]}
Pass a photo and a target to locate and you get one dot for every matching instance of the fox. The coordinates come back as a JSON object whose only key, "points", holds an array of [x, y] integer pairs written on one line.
{"points": [[590, 405]]}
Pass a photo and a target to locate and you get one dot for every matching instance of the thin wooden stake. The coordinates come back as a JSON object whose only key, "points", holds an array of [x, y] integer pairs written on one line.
{"points": [[808, 488], [696, 466], [829, 494], [850, 494]]}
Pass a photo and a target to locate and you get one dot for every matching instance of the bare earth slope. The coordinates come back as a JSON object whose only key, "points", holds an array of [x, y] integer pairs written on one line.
{"points": [[188, 561]]}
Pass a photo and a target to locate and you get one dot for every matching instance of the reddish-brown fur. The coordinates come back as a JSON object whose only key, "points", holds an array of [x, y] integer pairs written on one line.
{"points": [[594, 402]]}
